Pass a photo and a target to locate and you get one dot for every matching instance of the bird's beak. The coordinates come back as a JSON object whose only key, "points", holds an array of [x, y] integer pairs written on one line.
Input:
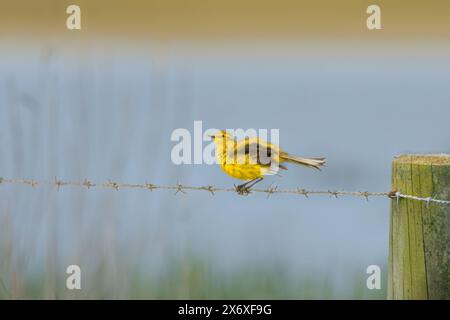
{"points": [[212, 136]]}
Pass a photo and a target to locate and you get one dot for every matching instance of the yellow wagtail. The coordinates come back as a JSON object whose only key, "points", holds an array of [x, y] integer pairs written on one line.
{"points": [[252, 158]]}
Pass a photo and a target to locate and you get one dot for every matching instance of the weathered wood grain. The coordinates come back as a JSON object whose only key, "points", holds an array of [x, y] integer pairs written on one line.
{"points": [[419, 243]]}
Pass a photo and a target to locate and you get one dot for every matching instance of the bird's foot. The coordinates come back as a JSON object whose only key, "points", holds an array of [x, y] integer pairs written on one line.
{"points": [[242, 189]]}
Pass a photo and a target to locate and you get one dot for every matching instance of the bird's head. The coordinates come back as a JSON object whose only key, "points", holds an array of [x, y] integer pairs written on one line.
{"points": [[220, 135]]}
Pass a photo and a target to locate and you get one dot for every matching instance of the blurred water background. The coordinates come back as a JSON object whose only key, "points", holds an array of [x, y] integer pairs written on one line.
{"points": [[106, 110]]}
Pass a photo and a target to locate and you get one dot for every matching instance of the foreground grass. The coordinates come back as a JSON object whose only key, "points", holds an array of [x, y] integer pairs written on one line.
{"points": [[194, 278]]}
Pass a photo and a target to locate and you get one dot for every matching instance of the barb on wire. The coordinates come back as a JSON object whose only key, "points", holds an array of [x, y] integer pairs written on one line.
{"points": [[180, 188]]}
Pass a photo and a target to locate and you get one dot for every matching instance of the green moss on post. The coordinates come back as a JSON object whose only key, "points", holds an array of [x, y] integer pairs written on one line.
{"points": [[419, 242]]}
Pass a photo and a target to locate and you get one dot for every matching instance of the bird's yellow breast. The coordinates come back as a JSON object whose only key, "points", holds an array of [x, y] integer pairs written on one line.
{"points": [[243, 171]]}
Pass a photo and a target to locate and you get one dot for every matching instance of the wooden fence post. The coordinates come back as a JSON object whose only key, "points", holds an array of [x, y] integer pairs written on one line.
{"points": [[419, 241]]}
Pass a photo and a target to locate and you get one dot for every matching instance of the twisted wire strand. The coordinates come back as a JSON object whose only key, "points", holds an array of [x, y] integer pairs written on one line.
{"points": [[179, 188]]}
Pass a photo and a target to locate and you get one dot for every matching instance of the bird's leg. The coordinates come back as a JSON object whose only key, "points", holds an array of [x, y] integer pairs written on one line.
{"points": [[244, 189], [241, 189], [245, 185], [253, 182]]}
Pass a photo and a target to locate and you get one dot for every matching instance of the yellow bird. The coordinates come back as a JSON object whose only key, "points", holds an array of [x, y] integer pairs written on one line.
{"points": [[252, 158]]}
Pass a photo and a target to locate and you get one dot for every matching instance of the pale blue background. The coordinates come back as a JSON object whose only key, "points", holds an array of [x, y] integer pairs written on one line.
{"points": [[102, 113]]}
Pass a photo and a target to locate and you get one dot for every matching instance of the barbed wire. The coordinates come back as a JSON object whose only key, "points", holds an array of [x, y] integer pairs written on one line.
{"points": [[179, 188], [427, 200]]}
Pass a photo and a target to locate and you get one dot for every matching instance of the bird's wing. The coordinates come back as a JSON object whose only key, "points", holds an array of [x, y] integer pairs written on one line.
{"points": [[257, 151]]}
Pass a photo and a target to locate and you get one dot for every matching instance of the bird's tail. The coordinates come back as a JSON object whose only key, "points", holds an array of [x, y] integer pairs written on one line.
{"points": [[309, 162]]}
